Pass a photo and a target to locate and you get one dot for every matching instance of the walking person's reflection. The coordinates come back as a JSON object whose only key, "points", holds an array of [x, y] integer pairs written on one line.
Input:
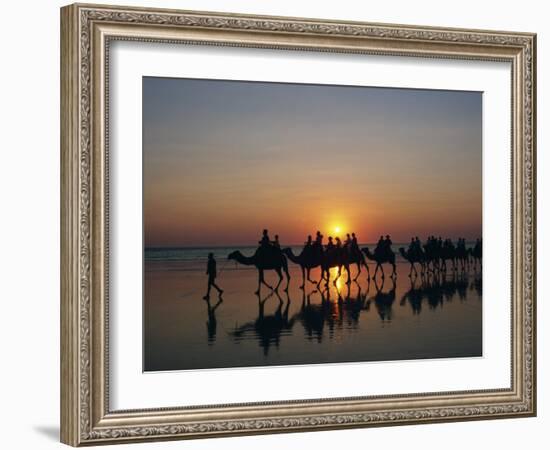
{"points": [[211, 323]]}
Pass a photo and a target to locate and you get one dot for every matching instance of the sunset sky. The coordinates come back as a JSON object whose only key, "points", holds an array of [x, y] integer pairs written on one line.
{"points": [[224, 159]]}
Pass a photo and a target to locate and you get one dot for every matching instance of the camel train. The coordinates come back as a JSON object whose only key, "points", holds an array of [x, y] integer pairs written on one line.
{"points": [[430, 258]]}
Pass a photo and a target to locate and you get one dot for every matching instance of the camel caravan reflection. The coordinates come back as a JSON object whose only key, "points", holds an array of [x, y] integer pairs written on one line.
{"points": [[435, 256], [437, 289], [324, 314], [321, 314], [267, 329]]}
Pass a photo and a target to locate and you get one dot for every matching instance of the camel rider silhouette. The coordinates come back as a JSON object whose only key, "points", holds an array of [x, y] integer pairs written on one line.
{"points": [[338, 243], [379, 250], [308, 243], [477, 247], [276, 243], [319, 238], [412, 245], [387, 245], [347, 242], [265, 241], [330, 245], [354, 242]]}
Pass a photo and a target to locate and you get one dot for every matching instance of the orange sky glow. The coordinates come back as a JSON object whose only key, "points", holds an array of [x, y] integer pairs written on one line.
{"points": [[223, 160]]}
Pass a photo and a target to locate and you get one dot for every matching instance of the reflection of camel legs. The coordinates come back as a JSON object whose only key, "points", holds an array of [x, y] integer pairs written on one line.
{"points": [[337, 276], [327, 279], [358, 271], [349, 274]]}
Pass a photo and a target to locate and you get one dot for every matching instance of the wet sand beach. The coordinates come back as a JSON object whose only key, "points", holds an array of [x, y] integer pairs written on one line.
{"points": [[430, 317]]}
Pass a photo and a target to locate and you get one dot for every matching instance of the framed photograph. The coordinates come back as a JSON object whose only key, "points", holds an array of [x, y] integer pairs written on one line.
{"points": [[274, 224]]}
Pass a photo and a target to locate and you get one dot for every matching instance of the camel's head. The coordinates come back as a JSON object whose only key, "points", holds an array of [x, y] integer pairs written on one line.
{"points": [[233, 255], [365, 250]]}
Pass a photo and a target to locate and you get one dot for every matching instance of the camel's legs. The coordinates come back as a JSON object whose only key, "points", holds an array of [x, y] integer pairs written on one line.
{"points": [[285, 268], [278, 270], [260, 275], [259, 284], [303, 277], [358, 271], [349, 274], [394, 273], [321, 279], [368, 271], [308, 270], [261, 281], [376, 270]]}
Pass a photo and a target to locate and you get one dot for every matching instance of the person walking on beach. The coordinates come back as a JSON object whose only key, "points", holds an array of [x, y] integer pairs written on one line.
{"points": [[212, 273]]}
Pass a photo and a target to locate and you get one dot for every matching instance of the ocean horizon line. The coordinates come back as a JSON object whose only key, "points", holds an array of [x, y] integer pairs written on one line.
{"points": [[284, 245]]}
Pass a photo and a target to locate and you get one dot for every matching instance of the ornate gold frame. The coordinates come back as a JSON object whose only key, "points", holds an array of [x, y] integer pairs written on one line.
{"points": [[86, 31]]}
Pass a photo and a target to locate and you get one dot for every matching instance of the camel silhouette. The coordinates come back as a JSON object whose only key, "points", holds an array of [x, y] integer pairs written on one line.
{"points": [[381, 258], [309, 259], [448, 253], [413, 257], [265, 258], [462, 258], [475, 254], [432, 256], [341, 257]]}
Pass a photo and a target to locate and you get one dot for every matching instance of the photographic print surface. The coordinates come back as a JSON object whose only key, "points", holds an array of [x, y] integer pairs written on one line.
{"points": [[301, 224]]}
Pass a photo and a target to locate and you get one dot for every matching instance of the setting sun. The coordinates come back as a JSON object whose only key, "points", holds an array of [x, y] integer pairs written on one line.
{"points": [[337, 229]]}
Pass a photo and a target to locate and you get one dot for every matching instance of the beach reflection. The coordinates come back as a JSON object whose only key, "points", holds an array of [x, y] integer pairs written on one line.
{"points": [[429, 316]]}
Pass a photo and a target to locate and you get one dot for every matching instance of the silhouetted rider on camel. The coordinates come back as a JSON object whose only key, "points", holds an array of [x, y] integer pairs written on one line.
{"points": [[383, 248], [354, 244], [265, 241]]}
